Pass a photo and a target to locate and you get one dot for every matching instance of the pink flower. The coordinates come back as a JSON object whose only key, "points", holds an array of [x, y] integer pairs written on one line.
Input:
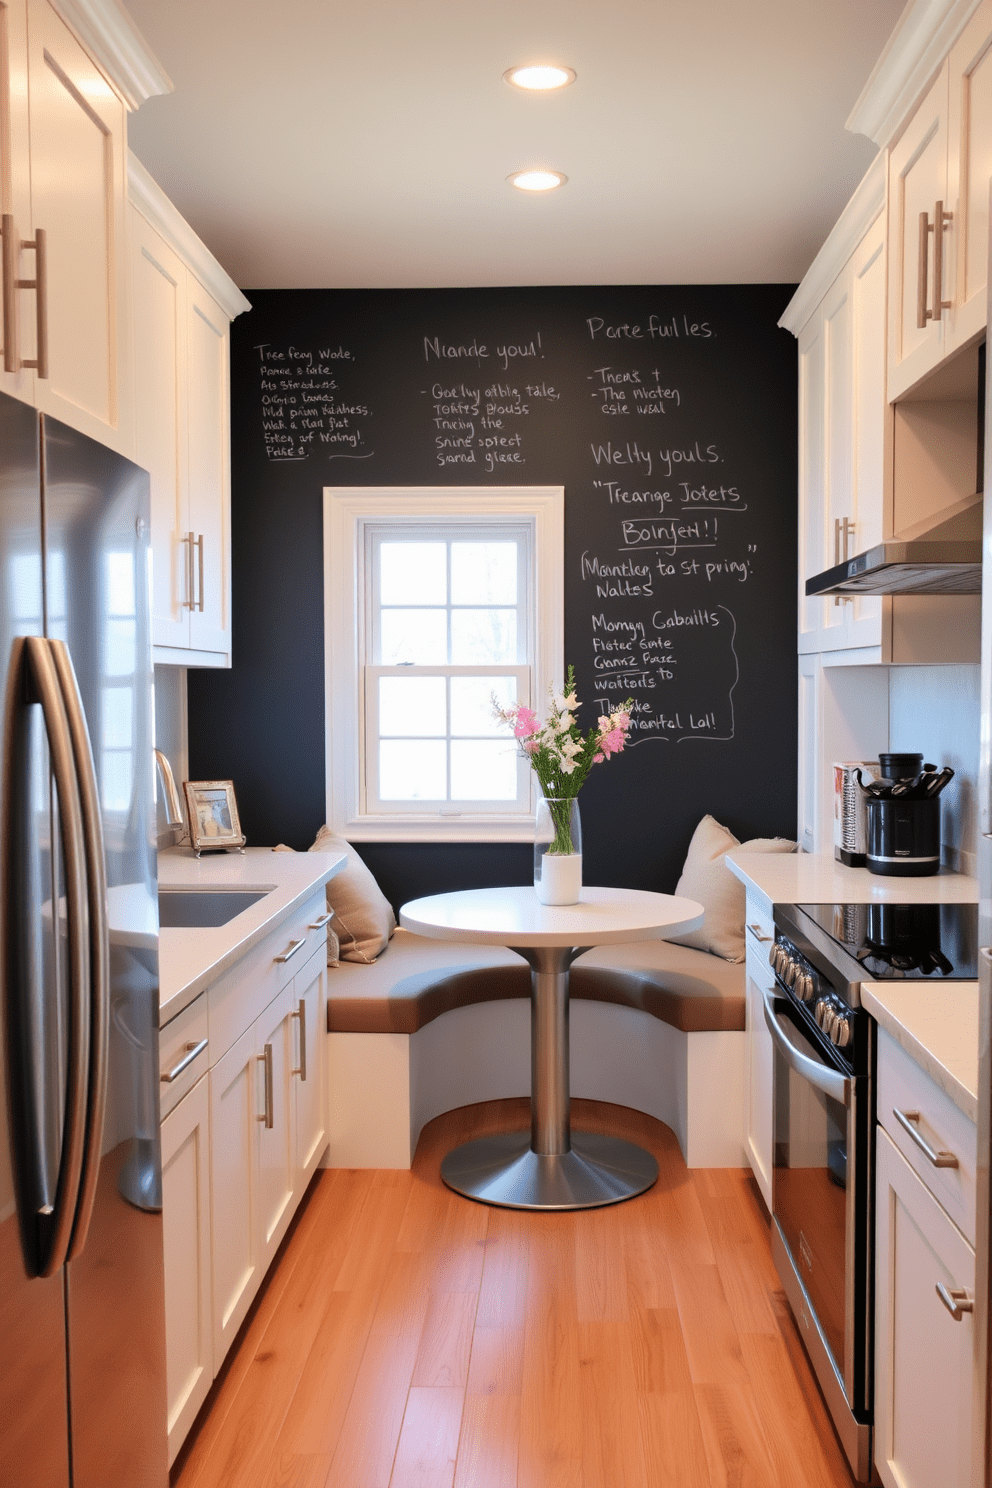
{"points": [[525, 723], [612, 743]]}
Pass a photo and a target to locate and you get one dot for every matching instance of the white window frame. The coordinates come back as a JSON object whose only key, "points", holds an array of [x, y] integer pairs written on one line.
{"points": [[347, 512]]}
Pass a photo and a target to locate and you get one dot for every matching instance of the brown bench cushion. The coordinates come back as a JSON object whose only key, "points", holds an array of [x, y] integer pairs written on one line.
{"points": [[416, 979]]}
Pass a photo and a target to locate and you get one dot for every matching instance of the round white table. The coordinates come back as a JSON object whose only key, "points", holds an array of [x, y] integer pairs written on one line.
{"points": [[548, 1168]]}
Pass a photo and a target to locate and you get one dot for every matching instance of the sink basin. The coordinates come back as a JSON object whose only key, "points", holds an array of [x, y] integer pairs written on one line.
{"points": [[197, 909]]}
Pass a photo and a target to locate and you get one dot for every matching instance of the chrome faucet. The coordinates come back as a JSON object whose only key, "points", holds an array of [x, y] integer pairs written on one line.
{"points": [[170, 795]]}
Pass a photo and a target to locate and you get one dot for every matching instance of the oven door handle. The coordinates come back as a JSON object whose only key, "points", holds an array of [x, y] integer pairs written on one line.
{"points": [[831, 1082]]}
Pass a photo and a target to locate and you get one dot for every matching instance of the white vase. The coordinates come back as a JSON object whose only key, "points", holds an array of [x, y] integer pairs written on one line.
{"points": [[560, 878], [557, 851]]}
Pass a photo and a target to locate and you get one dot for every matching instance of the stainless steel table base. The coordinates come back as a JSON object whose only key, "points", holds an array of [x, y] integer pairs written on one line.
{"points": [[504, 1170]]}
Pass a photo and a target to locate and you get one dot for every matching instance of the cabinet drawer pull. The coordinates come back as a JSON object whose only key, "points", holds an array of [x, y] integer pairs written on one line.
{"points": [[757, 933], [192, 1050], [957, 1300], [265, 1059], [291, 950], [908, 1121], [325, 919], [187, 539], [301, 1013], [941, 220], [12, 246]]}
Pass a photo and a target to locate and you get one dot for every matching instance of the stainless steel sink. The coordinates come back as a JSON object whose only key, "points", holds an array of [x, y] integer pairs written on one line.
{"points": [[197, 909]]}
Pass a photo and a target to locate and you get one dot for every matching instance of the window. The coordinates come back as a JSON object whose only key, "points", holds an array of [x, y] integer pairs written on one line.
{"points": [[435, 602]]}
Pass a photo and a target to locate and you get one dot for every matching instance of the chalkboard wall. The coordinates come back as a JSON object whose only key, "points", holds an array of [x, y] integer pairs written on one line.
{"points": [[668, 415]]}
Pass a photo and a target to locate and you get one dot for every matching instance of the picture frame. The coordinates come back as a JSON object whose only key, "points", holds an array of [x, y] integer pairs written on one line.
{"points": [[214, 825]]}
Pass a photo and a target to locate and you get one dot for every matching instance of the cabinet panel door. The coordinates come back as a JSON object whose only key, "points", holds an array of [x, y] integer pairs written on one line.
{"points": [[812, 511], [867, 613], [969, 169], [208, 332], [310, 1024], [158, 296], [78, 195], [235, 1107], [838, 431], [186, 1228], [15, 170], [274, 1050], [923, 1355], [917, 180], [758, 1070]]}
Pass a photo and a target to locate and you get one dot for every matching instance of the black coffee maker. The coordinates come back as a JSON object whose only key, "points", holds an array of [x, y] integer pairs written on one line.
{"points": [[904, 816]]}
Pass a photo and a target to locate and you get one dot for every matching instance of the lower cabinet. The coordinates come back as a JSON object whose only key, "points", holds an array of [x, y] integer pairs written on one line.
{"points": [[259, 1090], [923, 1338], [238, 1151], [759, 979], [186, 1226]]}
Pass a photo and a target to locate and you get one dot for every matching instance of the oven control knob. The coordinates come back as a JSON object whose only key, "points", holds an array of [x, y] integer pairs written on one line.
{"points": [[804, 987], [773, 956], [791, 972]]}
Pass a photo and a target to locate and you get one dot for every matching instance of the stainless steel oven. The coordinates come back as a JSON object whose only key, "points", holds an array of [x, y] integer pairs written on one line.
{"points": [[823, 1123]]}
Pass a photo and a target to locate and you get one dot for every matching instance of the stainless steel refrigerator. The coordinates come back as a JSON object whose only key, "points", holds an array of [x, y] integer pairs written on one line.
{"points": [[82, 1305]]}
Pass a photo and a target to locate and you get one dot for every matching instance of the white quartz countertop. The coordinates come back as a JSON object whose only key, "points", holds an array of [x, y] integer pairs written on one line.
{"points": [[818, 878], [190, 959], [938, 1028]]}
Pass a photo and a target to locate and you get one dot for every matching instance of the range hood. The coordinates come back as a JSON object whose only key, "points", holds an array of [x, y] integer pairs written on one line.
{"points": [[932, 558]]}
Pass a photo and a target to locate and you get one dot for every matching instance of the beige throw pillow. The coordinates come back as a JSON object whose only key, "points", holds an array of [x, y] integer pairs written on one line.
{"points": [[707, 879], [363, 916]]}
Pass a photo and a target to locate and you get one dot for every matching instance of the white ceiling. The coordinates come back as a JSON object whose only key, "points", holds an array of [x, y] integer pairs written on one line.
{"points": [[334, 143]]}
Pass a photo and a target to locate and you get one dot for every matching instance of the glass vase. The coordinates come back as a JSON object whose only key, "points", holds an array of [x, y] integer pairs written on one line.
{"points": [[557, 850]]}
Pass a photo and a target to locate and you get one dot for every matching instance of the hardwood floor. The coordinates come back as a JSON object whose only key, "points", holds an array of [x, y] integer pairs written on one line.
{"points": [[409, 1338]]}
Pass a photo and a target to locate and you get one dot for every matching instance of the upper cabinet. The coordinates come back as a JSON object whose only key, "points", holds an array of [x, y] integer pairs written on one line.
{"points": [[183, 303], [62, 178], [939, 212], [843, 420]]}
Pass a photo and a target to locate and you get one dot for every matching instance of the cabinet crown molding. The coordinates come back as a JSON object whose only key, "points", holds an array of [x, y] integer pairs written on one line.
{"points": [[924, 34], [117, 47], [845, 235], [151, 201]]}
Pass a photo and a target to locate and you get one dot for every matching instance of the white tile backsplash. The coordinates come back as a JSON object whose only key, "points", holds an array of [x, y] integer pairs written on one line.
{"points": [[936, 709]]}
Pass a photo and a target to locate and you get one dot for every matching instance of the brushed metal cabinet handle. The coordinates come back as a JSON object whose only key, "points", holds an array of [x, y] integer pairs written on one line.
{"points": [[957, 1300], [301, 1014], [40, 286], [199, 592], [189, 603], [11, 357], [324, 920], [192, 1050], [758, 933], [291, 950], [922, 313], [265, 1059], [908, 1121], [941, 220]]}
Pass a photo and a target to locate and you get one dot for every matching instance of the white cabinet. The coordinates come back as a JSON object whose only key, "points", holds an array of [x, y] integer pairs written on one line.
{"points": [[183, 303], [842, 424], [923, 1339], [65, 154], [260, 1123], [186, 1231], [938, 213], [925, 1171], [759, 979]]}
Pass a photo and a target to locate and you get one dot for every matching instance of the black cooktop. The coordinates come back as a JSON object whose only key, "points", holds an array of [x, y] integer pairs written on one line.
{"points": [[921, 941]]}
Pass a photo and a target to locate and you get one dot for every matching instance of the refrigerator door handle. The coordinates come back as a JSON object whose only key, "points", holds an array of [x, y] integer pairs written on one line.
{"points": [[55, 1225], [99, 948]]}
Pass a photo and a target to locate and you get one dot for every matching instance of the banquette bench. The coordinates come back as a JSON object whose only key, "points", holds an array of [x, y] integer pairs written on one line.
{"points": [[430, 1026]]}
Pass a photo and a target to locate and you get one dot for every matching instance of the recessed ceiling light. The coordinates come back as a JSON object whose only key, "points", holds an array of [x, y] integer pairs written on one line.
{"points": [[537, 180], [539, 78]]}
